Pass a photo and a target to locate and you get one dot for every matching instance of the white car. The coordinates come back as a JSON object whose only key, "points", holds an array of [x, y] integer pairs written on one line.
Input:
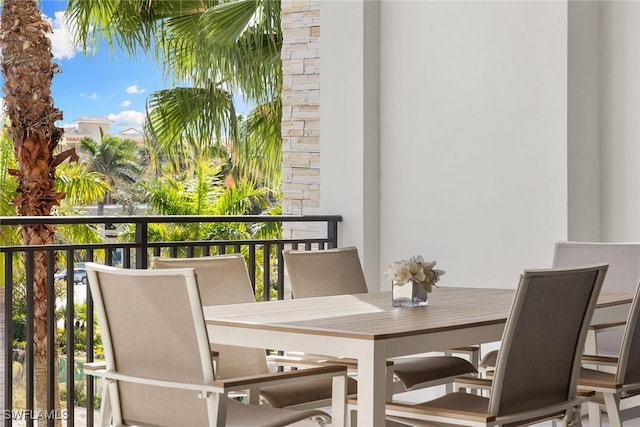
{"points": [[79, 276]]}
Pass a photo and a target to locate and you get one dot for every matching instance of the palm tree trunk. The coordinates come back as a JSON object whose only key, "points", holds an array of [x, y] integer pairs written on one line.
{"points": [[28, 72]]}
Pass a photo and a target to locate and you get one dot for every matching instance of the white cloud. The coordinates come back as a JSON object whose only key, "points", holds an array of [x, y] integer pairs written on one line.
{"points": [[127, 119], [134, 89], [61, 43], [125, 104], [93, 96]]}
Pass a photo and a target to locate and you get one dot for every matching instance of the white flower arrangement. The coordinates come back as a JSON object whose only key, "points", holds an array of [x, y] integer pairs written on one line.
{"points": [[414, 269]]}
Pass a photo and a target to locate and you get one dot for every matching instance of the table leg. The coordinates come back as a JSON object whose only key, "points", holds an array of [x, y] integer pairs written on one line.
{"points": [[372, 385]]}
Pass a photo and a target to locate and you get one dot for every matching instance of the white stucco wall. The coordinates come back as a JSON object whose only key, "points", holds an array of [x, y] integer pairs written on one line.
{"points": [[619, 119], [603, 128], [583, 133], [349, 148], [471, 127]]}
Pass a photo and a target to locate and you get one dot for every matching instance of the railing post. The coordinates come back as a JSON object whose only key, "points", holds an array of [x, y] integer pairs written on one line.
{"points": [[7, 338], [52, 351], [29, 345], [142, 254], [332, 233]]}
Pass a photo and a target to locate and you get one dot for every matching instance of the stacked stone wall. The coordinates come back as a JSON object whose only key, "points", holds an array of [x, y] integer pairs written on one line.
{"points": [[301, 113]]}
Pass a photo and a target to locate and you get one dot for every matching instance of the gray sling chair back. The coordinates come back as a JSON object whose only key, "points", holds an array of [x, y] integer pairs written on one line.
{"points": [[551, 312], [339, 272], [158, 369], [623, 276], [618, 391], [224, 279]]}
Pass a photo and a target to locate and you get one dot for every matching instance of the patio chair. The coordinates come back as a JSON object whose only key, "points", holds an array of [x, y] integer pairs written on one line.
{"points": [[224, 279], [158, 368], [623, 276], [551, 312], [618, 392], [339, 272]]}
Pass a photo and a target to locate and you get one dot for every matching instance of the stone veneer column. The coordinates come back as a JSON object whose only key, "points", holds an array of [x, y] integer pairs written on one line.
{"points": [[301, 113]]}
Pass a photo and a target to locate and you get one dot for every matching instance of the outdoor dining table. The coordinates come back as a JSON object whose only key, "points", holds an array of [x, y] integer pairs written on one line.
{"points": [[367, 327]]}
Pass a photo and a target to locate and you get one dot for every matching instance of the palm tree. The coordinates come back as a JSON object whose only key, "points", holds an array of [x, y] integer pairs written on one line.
{"points": [[115, 158], [202, 191], [216, 47], [28, 72], [81, 187]]}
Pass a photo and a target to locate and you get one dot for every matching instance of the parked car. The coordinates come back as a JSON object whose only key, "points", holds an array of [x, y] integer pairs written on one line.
{"points": [[79, 275]]}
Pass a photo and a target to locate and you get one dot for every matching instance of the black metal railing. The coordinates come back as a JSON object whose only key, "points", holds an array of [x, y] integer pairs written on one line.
{"points": [[264, 262]]}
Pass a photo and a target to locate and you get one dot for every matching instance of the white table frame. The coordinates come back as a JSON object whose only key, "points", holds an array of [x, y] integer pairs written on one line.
{"points": [[368, 328]]}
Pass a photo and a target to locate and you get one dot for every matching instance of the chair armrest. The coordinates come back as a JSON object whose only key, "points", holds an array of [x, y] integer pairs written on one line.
{"points": [[585, 393], [307, 360], [601, 326], [202, 389], [241, 383], [304, 362], [599, 360], [94, 366], [473, 382], [395, 409]]}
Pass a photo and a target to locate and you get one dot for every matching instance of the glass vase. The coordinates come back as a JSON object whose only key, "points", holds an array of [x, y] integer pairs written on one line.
{"points": [[409, 294]]}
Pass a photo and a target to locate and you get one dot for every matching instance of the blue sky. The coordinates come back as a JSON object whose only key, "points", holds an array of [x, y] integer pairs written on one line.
{"points": [[105, 84]]}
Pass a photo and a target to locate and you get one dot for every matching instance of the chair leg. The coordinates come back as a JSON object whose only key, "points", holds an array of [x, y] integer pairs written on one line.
{"points": [[572, 418], [591, 346], [448, 388], [105, 406], [351, 416], [390, 389], [595, 415], [253, 395], [612, 403], [474, 359], [339, 401]]}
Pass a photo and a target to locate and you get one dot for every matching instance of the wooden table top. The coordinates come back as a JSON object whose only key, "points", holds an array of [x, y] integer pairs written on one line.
{"points": [[371, 316]]}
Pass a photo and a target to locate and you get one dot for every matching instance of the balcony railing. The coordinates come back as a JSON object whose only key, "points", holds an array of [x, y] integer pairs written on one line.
{"points": [[72, 298]]}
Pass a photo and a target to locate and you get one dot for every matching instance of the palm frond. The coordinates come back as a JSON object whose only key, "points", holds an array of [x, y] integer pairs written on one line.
{"points": [[257, 155], [242, 199], [81, 186], [268, 230], [127, 24], [8, 183], [77, 233], [200, 116], [238, 42], [165, 200]]}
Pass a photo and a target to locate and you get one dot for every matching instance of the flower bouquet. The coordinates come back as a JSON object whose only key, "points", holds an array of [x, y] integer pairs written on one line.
{"points": [[412, 280]]}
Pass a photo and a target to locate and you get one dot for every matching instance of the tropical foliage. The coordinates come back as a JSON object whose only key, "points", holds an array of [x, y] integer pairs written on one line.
{"points": [[117, 159], [211, 49], [203, 189], [8, 190]]}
